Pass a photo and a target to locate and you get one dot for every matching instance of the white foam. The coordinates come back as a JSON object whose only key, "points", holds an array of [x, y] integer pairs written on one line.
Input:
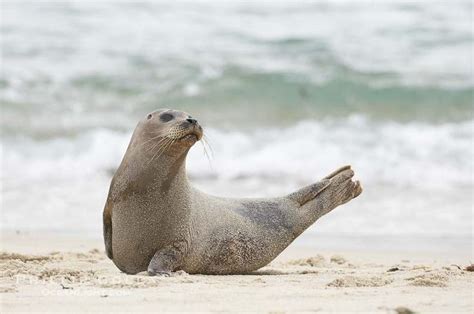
{"points": [[416, 176], [85, 38], [441, 154]]}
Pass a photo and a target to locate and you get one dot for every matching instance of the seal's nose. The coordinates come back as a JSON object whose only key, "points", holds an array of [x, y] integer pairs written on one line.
{"points": [[191, 120]]}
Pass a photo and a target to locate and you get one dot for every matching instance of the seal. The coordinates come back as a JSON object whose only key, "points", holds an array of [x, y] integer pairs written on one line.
{"points": [[154, 219]]}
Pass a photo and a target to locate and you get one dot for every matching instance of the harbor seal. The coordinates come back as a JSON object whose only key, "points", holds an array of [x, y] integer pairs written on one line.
{"points": [[154, 220]]}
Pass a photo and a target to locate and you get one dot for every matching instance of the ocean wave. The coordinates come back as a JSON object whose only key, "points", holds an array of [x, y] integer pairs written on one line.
{"points": [[315, 39], [406, 168], [382, 151], [83, 57], [238, 98], [292, 90], [440, 154]]}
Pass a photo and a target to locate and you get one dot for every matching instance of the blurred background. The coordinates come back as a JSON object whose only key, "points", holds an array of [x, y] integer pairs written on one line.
{"points": [[287, 91]]}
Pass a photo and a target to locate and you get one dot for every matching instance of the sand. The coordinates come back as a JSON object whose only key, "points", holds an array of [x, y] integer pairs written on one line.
{"points": [[69, 273]]}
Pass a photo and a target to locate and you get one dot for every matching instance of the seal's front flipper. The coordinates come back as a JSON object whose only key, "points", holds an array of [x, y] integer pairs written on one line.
{"points": [[166, 261]]}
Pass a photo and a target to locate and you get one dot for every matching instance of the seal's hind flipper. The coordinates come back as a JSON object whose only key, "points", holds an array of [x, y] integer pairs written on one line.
{"points": [[338, 171], [339, 190], [304, 195]]}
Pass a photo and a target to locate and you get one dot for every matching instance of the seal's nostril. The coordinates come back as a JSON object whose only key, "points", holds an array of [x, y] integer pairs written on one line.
{"points": [[191, 120]]}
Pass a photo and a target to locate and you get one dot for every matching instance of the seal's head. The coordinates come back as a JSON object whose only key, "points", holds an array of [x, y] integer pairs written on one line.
{"points": [[166, 132]]}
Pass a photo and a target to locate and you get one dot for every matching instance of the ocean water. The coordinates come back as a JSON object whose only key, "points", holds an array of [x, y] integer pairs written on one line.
{"points": [[286, 91]]}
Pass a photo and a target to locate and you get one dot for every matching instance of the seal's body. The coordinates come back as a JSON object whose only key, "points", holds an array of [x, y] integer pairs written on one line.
{"points": [[155, 220]]}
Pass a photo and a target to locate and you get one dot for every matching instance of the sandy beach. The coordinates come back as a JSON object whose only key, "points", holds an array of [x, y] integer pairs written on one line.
{"points": [[285, 92], [48, 272]]}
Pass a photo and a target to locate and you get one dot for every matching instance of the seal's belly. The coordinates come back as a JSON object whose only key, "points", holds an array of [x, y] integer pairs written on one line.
{"points": [[232, 237], [236, 250]]}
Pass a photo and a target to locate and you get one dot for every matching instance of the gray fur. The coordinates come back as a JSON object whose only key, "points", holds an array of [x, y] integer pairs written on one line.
{"points": [[155, 220]]}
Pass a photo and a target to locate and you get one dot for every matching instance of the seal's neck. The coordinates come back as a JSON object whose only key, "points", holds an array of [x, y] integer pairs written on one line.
{"points": [[164, 176], [170, 174]]}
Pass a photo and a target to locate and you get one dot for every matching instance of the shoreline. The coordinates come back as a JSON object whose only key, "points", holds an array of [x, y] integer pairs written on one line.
{"points": [[52, 272]]}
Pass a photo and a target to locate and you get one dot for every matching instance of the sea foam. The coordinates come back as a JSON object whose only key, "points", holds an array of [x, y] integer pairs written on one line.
{"points": [[406, 169]]}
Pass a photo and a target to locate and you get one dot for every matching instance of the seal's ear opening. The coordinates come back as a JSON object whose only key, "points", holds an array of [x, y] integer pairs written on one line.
{"points": [[149, 116]]}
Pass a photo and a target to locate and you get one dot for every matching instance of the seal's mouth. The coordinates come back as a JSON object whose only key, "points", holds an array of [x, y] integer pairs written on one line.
{"points": [[186, 133], [191, 137]]}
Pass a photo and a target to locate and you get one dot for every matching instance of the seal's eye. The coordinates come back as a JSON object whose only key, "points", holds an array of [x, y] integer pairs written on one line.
{"points": [[165, 117], [149, 116]]}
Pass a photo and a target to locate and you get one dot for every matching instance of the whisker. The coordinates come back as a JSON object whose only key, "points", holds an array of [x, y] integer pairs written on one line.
{"points": [[165, 147], [204, 142], [160, 148], [155, 145], [152, 146], [207, 155], [157, 135], [151, 139], [207, 142]]}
